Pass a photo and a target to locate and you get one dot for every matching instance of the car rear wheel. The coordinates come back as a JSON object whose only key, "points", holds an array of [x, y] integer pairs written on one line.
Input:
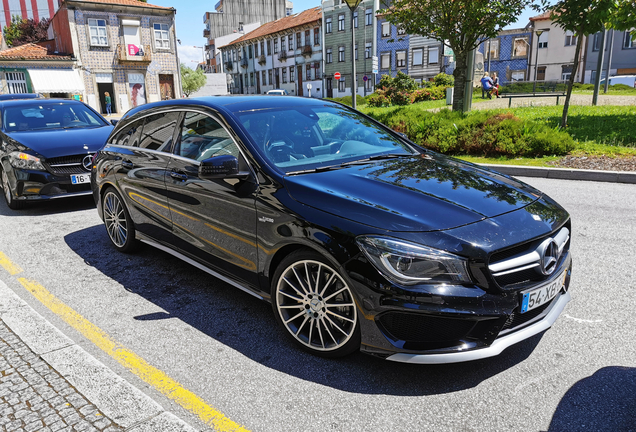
{"points": [[119, 225], [315, 305], [12, 203]]}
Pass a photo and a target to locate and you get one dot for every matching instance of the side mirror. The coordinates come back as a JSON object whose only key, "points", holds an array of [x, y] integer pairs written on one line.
{"points": [[114, 122], [223, 166]]}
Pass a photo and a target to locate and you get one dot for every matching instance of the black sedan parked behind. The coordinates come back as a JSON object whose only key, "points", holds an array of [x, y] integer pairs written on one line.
{"points": [[358, 238], [46, 148]]}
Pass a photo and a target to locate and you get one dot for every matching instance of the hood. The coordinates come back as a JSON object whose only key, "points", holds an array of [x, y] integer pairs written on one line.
{"points": [[412, 194], [63, 142]]}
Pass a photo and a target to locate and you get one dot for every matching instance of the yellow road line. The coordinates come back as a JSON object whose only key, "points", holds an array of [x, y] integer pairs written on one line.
{"points": [[132, 361], [9, 266]]}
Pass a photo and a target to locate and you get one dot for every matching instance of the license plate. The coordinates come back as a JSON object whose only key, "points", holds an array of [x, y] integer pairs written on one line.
{"points": [[80, 178], [536, 297]]}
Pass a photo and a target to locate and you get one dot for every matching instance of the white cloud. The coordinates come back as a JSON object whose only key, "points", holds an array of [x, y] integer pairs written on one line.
{"points": [[189, 55]]}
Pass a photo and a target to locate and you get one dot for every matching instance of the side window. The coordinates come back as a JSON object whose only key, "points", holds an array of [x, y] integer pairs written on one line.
{"points": [[202, 137], [129, 135], [158, 131]]}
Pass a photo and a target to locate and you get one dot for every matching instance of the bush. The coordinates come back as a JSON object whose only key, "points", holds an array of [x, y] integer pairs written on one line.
{"points": [[481, 133], [444, 80], [348, 100], [427, 94], [403, 82], [401, 98], [378, 99]]}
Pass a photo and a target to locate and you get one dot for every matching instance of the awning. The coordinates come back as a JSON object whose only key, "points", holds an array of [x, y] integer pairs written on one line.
{"points": [[56, 81]]}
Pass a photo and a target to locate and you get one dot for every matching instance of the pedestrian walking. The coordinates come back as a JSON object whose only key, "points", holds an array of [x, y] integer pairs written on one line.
{"points": [[108, 102]]}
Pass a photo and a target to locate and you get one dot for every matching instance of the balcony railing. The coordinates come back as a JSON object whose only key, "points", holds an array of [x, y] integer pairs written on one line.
{"points": [[244, 62], [134, 53], [282, 56], [206, 33], [262, 60], [307, 51], [229, 65]]}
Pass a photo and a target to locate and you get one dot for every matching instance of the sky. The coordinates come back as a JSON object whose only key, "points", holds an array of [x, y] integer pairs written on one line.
{"points": [[190, 24]]}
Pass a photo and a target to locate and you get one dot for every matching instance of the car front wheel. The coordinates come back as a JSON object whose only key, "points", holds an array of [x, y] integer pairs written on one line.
{"points": [[315, 305], [119, 225], [12, 203]]}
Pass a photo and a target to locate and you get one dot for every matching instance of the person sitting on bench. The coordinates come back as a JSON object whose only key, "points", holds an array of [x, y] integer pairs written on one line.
{"points": [[488, 85]]}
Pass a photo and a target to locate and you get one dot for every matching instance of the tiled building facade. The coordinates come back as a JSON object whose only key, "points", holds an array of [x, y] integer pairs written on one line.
{"points": [[392, 49], [128, 51], [509, 53]]}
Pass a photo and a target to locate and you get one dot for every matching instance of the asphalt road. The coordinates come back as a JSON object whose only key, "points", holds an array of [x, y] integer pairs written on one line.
{"points": [[223, 345]]}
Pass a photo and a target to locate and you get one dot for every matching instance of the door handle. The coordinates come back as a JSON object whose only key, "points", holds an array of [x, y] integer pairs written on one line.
{"points": [[179, 176], [127, 164]]}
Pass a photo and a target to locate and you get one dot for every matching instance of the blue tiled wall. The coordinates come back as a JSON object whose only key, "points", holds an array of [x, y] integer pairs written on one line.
{"points": [[505, 61], [399, 43]]}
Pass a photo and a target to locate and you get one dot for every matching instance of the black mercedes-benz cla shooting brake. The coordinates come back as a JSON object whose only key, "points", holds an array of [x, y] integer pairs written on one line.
{"points": [[358, 238]]}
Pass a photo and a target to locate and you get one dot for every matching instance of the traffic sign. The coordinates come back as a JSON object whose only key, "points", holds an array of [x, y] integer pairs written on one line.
{"points": [[365, 78], [336, 75], [309, 86]]}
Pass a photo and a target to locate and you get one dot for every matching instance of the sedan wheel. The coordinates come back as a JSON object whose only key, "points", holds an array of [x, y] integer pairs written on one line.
{"points": [[8, 196], [315, 305], [118, 223]]}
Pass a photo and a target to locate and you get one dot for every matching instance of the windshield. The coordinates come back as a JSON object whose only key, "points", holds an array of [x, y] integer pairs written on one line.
{"points": [[48, 116], [305, 138]]}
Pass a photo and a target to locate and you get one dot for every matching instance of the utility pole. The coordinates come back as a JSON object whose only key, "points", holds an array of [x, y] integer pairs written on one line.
{"points": [[599, 69], [609, 62]]}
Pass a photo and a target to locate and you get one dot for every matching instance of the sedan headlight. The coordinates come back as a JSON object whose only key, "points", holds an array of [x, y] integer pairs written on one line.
{"points": [[25, 161], [409, 264]]}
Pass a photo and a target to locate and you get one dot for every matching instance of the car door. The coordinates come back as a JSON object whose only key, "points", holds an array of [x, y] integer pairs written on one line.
{"points": [[143, 156], [215, 219]]}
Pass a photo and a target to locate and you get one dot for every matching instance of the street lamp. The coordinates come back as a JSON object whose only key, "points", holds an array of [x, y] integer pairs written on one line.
{"points": [[536, 60], [353, 4]]}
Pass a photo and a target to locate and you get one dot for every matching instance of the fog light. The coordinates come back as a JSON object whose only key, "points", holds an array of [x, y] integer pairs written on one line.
{"points": [[32, 190]]}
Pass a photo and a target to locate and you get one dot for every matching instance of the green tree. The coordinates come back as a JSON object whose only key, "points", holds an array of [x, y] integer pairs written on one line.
{"points": [[22, 31], [192, 80], [585, 17], [461, 24]]}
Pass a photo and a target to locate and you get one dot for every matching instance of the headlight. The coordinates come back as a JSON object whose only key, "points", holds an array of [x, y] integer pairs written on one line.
{"points": [[409, 264], [25, 161]]}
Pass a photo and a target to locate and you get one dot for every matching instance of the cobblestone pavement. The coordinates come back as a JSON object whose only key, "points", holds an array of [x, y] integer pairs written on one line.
{"points": [[34, 397]]}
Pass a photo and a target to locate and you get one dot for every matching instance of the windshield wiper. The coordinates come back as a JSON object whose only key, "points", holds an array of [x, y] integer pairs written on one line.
{"points": [[379, 157], [315, 170]]}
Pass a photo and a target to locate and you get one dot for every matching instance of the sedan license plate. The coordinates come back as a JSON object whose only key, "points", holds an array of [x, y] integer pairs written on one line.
{"points": [[536, 297], [80, 178]]}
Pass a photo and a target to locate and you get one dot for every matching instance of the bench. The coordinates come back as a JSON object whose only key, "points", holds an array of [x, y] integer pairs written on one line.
{"points": [[539, 89]]}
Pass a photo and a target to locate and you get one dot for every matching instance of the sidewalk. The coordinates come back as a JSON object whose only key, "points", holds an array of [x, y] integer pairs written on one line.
{"points": [[48, 383]]}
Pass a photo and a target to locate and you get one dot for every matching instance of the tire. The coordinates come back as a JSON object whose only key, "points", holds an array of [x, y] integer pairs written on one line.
{"points": [[118, 223], [315, 305], [12, 203]]}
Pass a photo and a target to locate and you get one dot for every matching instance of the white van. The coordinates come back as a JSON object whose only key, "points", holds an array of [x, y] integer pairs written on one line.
{"points": [[629, 80]]}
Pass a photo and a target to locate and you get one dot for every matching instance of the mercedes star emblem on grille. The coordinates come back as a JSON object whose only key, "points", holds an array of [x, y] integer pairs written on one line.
{"points": [[87, 162], [549, 251]]}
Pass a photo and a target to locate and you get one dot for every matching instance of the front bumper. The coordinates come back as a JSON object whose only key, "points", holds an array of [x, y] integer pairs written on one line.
{"points": [[496, 347], [30, 185]]}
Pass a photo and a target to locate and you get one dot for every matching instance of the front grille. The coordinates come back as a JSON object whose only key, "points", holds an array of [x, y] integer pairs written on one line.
{"points": [[420, 328], [66, 165], [517, 319], [521, 264]]}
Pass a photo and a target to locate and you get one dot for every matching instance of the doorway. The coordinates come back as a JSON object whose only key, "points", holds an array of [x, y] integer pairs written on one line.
{"points": [[102, 88], [300, 80], [166, 86]]}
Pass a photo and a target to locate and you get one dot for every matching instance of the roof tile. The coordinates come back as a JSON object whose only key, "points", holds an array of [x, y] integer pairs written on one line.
{"points": [[126, 3], [31, 51]]}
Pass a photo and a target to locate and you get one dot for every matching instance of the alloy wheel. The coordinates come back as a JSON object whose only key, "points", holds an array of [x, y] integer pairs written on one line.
{"points": [[316, 306], [115, 219]]}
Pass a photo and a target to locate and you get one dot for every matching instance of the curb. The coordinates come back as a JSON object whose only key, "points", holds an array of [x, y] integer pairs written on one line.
{"points": [[120, 401], [565, 173]]}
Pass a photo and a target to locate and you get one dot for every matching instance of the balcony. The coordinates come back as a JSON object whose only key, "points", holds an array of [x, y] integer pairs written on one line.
{"points": [[282, 56], [307, 51], [206, 33], [262, 60], [129, 53], [229, 66], [244, 63]]}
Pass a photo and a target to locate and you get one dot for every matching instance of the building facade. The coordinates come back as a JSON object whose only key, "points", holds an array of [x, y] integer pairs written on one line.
{"points": [[622, 59], [128, 51], [27, 9], [552, 56], [283, 54], [32, 68], [232, 16], [337, 46], [425, 58], [507, 55], [392, 49]]}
